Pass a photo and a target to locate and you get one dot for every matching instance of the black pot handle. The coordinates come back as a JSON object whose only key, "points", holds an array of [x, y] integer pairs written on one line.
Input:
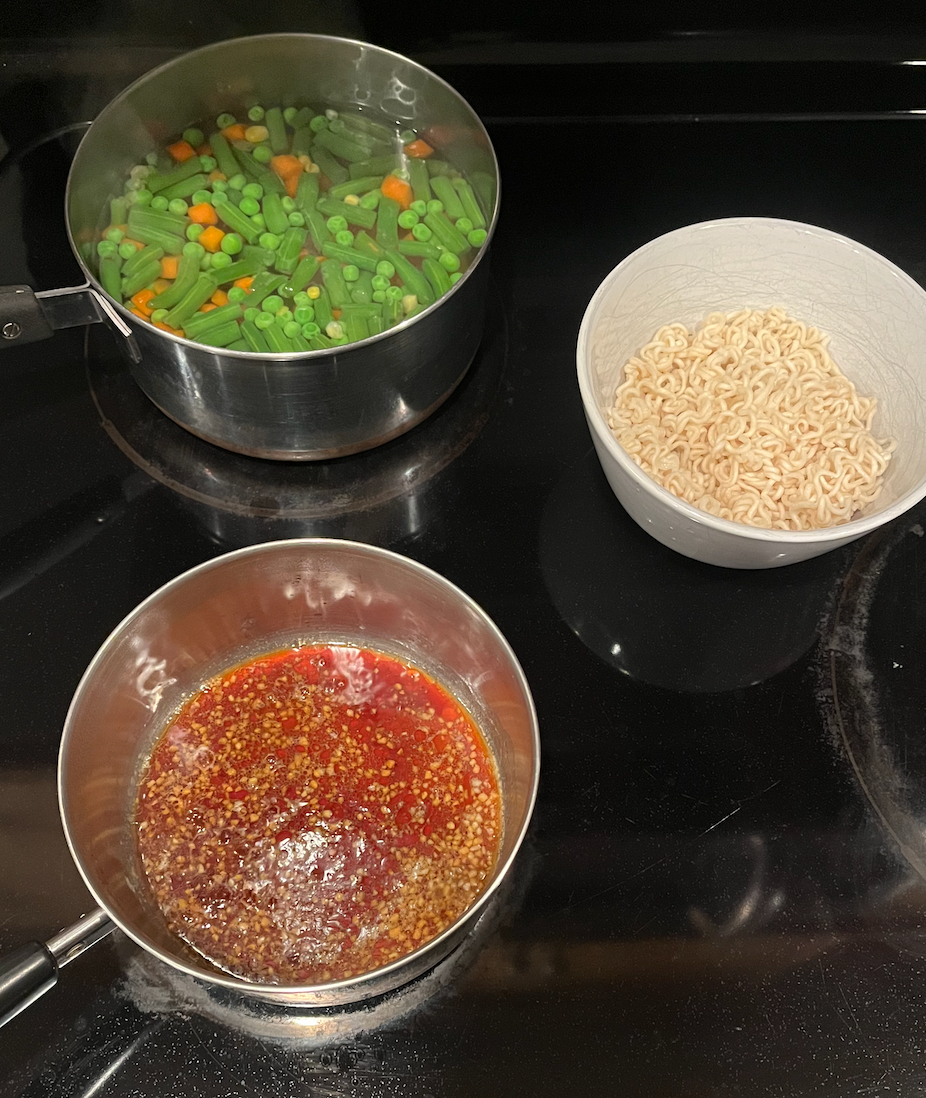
{"points": [[27, 317], [31, 970]]}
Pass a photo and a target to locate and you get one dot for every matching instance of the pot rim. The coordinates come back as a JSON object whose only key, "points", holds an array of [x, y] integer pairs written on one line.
{"points": [[278, 356], [381, 975]]}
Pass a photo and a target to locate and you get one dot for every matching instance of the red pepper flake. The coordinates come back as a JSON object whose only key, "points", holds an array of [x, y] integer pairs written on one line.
{"points": [[440, 742], [449, 713], [239, 795], [288, 724], [282, 836]]}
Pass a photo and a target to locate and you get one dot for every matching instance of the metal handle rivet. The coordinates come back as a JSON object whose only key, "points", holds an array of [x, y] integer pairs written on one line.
{"points": [[11, 330]]}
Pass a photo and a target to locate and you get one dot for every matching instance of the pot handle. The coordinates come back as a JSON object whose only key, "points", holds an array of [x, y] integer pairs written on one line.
{"points": [[31, 970], [27, 317]]}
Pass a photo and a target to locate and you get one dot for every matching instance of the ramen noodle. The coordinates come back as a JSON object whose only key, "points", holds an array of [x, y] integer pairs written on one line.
{"points": [[749, 419]]}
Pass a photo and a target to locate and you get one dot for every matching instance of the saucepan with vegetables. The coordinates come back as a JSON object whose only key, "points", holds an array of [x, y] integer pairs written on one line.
{"points": [[288, 234]]}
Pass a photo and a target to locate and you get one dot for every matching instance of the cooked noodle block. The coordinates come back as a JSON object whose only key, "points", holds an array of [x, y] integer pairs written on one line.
{"points": [[748, 418]]}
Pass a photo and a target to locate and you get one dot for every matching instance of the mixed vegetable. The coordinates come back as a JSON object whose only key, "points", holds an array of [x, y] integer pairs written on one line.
{"points": [[291, 230]]}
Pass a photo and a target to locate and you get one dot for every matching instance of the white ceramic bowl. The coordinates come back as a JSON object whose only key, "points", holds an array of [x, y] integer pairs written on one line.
{"points": [[873, 312]]}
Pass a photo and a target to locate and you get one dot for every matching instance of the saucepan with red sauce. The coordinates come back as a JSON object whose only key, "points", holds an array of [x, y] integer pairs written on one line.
{"points": [[297, 771]]}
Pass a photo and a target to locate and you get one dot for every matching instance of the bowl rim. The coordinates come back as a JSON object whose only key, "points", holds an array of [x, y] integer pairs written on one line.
{"points": [[601, 432], [384, 972]]}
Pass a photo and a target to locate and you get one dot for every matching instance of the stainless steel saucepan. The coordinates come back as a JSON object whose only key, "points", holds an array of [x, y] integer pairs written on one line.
{"points": [[248, 602], [309, 406]]}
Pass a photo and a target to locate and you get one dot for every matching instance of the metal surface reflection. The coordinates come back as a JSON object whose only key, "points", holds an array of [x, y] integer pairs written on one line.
{"points": [[653, 614]]}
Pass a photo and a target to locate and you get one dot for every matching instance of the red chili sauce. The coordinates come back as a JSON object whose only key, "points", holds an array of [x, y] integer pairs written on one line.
{"points": [[316, 813]]}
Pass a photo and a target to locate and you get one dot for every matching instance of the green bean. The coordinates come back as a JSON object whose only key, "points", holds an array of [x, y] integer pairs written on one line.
{"points": [[288, 252], [392, 311], [118, 210], [345, 148], [327, 163], [273, 120], [413, 278], [469, 203], [365, 243], [361, 309], [110, 275], [387, 223], [300, 343], [437, 276], [187, 273], [318, 230], [304, 273], [237, 221], [170, 242], [353, 215], [355, 186], [446, 234], [361, 293], [349, 255], [202, 321], [307, 191], [255, 254], [141, 278], [355, 326], [484, 185], [245, 162], [139, 258], [444, 189], [301, 118], [276, 340], [141, 217], [254, 337], [243, 268], [156, 183], [366, 125], [220, 335], [320, 343], [224, 157], [186, 187], [239, 345], [274, 214], [377, 165], [265, 284], [418, 177], [302, 141], [419, 249], [438, 167], [203, 288], [333, 278], [322, 306], [376, 325]]}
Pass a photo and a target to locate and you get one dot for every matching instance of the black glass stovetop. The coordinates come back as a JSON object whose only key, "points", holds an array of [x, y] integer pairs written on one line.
{"points": [[721, 890]]}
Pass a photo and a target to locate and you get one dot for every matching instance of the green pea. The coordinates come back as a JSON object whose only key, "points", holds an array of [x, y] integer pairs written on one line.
{"points": [[199, 197], [464, 225], [220, 186], [310, 329], [297, 219], [292, 328], [385, 268], [252, 190], [263, 154], [344, 237], [272, 304], [194, 231], [221, 259], [225, 120], [249, 206], [270, 241], [205, 262], [455, 277], [379, 296], [422, 233], [289, 113], [304, 314], [194, 248], [435, 206], [351, 273], [237, 294], [252, 313], [257, 220], [419, 206], [107, 249], [288, 204], [371, 200], [380, 282], [264, 320], [394, 293], [143, 197], [127, 251], [336, 125], [159, 202], [208, 163], [319, 122], [477, 237], [194, 137], [232, 243], [284, 313], [116, 235], [449, 261], [408, 136], [256, 113], [158, 315], [301, 299], [336, 224], [408, 219], [236, 183], [178, 206]]}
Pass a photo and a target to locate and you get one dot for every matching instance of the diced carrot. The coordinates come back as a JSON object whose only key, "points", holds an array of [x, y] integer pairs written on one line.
{"points": [[139, 314], [211, 238], [204, 150], [216, 175], [397, 189], [160, 285], [220, 297], [181, 151], [169, 265], [207, 308], [138, 244], [336, 313], [203, 213], [141, 299], [244, 283], [418, 149], [167, 328], [289, 169], [234, 133]]}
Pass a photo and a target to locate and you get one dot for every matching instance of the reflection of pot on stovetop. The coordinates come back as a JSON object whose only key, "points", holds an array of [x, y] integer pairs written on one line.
{"points": [[303, 406]]}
